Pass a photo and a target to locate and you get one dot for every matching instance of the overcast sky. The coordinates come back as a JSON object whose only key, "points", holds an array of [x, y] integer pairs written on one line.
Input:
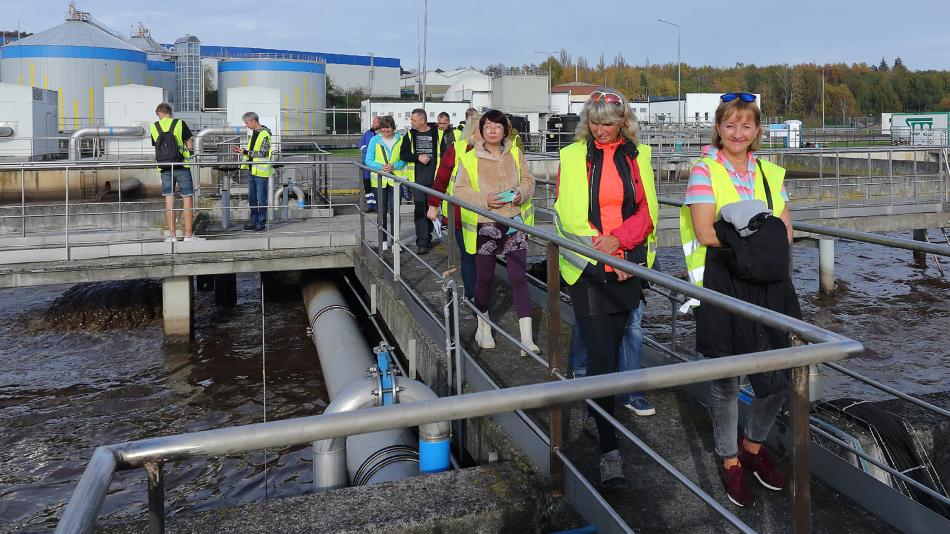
{"points": [[509, 31]]}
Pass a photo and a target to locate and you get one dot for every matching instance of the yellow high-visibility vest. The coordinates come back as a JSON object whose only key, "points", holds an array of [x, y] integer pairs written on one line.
{"points": [[470, 218], [393, 158], [262, 170], [573, 204], [725, 193], [460, 148], [410, 169]]}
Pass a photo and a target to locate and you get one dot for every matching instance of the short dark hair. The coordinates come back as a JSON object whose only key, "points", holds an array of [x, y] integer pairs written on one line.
{"points": [[164, 107], [498, 118], [419, 111], [387, 121], [470, 111], [444, 114]]}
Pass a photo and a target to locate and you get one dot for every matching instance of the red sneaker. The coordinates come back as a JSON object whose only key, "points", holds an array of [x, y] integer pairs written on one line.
{"points": [[762, 467], [736, 488]]}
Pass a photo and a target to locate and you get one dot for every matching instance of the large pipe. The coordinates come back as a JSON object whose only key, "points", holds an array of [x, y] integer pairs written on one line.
{"points": [[6, 131], [345, 359], [101, 131], [219, 131]]}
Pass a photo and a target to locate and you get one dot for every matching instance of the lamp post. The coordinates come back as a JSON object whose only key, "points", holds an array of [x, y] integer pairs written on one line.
{"points": [[679, 97], [550, 81], [823, 69]]}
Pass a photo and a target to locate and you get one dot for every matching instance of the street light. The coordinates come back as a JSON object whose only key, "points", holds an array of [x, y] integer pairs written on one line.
{"points": [[550, 81], [679, 97], [699, 83], [823, 69]]}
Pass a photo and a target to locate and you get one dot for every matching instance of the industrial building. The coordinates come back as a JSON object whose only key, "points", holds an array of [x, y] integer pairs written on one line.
{"points": [[81, 57]]}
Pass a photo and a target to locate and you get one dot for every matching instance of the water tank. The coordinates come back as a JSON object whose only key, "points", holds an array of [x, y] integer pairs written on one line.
{"points": [[302, 85], [78, 60], [188, 74], [560, 131]]}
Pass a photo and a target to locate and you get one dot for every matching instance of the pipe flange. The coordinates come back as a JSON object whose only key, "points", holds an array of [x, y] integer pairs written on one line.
{"points": [[325, 310]]}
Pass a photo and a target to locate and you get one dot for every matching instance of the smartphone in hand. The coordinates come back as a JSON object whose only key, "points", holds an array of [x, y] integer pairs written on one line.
{"points": [[507, 195]]}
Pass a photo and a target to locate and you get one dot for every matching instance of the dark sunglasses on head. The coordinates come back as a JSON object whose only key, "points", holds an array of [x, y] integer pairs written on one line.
{"points": [[745, 97], [610, 98]]}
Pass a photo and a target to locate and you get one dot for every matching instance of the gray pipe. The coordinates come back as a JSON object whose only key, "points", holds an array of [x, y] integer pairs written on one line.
{"points": [[219, 131], [6, 131], [345, 359], [101, 131]]}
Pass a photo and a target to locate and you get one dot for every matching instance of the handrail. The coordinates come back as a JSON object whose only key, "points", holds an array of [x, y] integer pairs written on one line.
{"points": [[856, 235], [79, 516]]}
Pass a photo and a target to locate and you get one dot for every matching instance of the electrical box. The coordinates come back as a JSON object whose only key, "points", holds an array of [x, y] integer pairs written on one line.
{"points": [[32, 115]]}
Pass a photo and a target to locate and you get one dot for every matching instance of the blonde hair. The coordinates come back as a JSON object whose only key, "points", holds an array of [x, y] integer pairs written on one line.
{"points": [[602, 112], [740, 108], [471, 126]]}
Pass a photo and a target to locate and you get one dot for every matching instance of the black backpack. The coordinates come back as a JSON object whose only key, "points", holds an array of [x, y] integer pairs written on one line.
{"points": [[166, 146]]}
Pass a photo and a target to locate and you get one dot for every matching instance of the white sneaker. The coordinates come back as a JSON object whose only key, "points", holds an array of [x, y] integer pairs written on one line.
{"points": [[194, 238], [385, 246], [170, 239], [483, 335]]}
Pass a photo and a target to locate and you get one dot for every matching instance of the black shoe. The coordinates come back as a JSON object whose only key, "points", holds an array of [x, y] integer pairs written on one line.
{"points": [[423, 249], [259, 228], [249, 226]]}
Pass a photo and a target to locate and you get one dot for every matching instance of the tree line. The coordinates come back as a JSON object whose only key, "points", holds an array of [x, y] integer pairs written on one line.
{"points": [[853, 93]]}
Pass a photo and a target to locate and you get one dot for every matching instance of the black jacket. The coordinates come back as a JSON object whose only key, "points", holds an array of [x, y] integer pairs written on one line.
{"points": [[754, 269]]}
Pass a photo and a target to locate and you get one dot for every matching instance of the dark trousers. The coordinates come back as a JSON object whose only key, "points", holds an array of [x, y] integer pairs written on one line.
{"points": [[602, 335], [485, 275], [387, 211], [423, 224], [469, 268]]}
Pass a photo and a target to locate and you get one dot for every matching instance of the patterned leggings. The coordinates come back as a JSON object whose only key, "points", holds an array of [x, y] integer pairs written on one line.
{"points": [[493, 239]]}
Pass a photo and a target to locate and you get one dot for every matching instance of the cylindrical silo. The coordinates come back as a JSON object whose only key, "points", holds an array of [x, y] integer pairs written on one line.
{"points": [[302, 85], [78, 60]]}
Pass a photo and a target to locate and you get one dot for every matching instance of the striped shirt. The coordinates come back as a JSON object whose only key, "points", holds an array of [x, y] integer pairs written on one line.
{"points": [[699, 189]]}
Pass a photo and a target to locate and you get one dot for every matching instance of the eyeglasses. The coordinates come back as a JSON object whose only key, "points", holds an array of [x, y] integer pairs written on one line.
{"points": [[610, 98], [745, 97]]}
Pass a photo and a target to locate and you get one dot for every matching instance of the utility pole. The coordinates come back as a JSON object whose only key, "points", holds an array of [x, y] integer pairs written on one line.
{"points": [[550, 81], [678, 69], [823, 69], [425, 34]]}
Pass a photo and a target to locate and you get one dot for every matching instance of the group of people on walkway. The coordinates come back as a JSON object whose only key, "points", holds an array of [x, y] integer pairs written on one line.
{"points": [[735, 230]]}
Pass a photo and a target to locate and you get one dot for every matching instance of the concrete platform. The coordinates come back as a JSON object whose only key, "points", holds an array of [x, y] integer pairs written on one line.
{"points": [[502, 497]]}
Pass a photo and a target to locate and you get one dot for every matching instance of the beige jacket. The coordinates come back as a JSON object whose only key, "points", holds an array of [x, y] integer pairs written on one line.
{"points": [[494, 174]]}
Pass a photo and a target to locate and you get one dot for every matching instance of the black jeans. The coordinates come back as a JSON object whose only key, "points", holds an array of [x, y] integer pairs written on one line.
{"points": [[602, 335], [386, 210], [420, 205]]}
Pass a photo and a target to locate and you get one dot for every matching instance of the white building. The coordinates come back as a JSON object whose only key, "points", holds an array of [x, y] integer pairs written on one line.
{"points": [[401, 109], [438, 81], [696, 108]]}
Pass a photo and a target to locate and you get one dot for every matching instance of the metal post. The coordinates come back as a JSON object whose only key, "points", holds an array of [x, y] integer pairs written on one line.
{"points": [[452, 246], [119, 171], [156, 498], [67, 213], [673, 322], [554, 351], [821, 177], [801, 453], [225, 199], [837, 182], [459, 368], [890, 175], [396, 216], [285, 199], [269, 210], [449, 338], [826, 265], [22, 204]]}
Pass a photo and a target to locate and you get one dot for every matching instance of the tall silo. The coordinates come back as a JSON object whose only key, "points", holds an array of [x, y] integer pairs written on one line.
{"points": [[78, 60], [160, 63], [188, 73], [302, 85]]}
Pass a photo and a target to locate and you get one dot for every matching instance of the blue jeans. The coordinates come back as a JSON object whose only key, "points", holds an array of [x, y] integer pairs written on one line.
{"points": [[631, 349], [181, 176], [257, 196], [468, 266]]}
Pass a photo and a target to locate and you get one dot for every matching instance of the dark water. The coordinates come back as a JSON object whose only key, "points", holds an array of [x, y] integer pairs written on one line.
{"points": [[897, 308], [64, 392]]}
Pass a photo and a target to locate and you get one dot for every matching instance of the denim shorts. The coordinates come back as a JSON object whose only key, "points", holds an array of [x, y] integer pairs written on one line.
{"points": [[182, 177]]}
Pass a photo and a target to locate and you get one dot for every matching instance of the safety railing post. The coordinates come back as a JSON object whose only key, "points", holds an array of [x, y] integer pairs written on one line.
{"points": [[453, 252], [156, 498], [801, 453], [119, 172], [397, 247], [225, 199], [554, 351], [22, 204], [66, 238]]}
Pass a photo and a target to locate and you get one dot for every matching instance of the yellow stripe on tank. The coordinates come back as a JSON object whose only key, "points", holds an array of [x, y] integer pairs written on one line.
{"points": [[92, 104], [118, 74], [75, 114], [45, 82], [32, 75], [59, 93]]}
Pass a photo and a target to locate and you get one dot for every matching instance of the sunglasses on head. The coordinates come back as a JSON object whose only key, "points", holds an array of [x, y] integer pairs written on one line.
{"points": [[745, 97], [610, 98]]}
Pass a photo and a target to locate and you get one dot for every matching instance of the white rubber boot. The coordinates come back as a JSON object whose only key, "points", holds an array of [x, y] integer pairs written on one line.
{"points": [[483, 335], [525, 325]]}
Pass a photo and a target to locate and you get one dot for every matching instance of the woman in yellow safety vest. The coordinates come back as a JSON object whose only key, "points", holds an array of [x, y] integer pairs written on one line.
{"points": [[727, 174], [606, 200], [382, 154], [494, 177]]}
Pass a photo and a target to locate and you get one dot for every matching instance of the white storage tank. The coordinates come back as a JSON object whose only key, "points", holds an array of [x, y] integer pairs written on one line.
{"points": [[28, 119], [302, 86], [78, 60]]}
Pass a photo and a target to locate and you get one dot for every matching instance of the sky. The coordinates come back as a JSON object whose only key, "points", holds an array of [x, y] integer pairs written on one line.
{"points": [[512, 32]]}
